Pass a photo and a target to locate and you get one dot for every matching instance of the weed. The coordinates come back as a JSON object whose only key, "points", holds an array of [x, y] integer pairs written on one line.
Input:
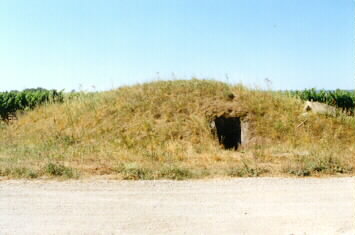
{"points": [[19, 172], [54, 169], [175, 173], [316, 163], [299, 171], [246, 170], [134, 172], [5, 172], [66, 140]]}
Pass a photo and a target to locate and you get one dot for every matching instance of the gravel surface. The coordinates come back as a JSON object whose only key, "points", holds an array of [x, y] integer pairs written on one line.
{"points": [[238, 206]]}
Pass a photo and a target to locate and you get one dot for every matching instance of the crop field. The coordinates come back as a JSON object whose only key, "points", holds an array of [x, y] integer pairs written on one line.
{"points": [[342, 99], [15, 101]]}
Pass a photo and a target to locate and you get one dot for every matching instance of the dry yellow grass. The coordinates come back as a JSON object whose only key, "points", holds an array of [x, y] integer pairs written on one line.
{"points": [[161, 130]]}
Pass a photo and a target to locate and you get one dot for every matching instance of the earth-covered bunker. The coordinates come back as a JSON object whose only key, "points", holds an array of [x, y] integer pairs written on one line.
{"points": [[229, 124]]}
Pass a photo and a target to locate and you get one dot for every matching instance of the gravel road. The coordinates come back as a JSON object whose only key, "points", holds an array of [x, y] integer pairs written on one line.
{"points": [[238, 206]]}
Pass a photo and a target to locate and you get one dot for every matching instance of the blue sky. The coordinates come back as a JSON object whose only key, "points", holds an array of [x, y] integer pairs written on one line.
{"points": [[81, 44]]}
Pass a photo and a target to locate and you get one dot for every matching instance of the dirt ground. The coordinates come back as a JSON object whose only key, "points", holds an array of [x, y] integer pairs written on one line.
{"points": [[235, 206]]}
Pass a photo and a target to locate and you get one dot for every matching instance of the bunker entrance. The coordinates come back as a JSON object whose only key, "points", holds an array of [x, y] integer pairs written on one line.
{"points": [[229, 132]]}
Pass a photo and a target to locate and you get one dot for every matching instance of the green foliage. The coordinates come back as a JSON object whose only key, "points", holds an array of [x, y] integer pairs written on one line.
{"points": [[317, 163], [175, 173], [339, 98], [59, 170], [136, 172], [13, 101], [246, 170], [19, 172]]}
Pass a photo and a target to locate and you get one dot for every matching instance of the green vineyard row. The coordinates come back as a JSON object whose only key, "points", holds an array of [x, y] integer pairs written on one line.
{"points": [[339, 98], [13, 101]]}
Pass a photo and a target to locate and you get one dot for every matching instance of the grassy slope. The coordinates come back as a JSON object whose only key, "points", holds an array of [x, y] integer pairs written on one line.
{"points": [[161, 130]]}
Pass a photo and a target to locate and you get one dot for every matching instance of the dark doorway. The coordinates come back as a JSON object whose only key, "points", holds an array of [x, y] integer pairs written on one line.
{"points": [[228, 132]]}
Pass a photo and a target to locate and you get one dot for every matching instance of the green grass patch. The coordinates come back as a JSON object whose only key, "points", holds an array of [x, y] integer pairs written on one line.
{"points": [[54, 169]]}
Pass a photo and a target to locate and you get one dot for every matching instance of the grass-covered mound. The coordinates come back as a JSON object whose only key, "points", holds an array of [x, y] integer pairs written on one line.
{"points": [[162, 130]]}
